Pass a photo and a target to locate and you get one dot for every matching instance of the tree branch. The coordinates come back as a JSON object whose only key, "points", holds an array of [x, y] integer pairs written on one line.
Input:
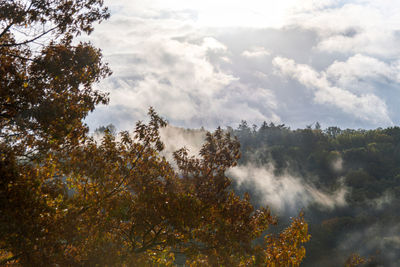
{"points": [[29, 41], [6, 29]]}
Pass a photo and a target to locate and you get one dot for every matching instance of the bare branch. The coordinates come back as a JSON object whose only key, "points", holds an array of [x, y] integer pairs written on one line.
{"points": [[31, 40]]}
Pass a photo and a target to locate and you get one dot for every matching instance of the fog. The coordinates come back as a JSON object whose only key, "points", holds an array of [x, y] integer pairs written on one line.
{"points": [[284, 193]]}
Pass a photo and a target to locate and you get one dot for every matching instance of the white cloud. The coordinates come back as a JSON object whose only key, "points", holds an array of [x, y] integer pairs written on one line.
{"points": [[256, 52], [175, 138], [285, 193], [353, 27], [221, 13], [212, 44], [190, 60], [366, 107], [168, 64], [363, 68]]}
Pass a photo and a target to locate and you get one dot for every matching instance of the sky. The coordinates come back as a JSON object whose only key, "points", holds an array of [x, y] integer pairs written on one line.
{"points": [[214, 63]]}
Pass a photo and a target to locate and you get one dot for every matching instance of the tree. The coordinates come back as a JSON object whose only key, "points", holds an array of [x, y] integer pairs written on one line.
{"points": [[45, 92], [102, 129], [45, 79], [68, 200]]}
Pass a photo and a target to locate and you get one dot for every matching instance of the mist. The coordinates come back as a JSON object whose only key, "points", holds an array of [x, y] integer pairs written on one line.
{"points": [[284, 193]]}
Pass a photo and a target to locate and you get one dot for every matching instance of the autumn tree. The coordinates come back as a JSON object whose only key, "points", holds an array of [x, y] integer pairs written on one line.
{"points": [[45, 78], [68, 200], [45, 92]]}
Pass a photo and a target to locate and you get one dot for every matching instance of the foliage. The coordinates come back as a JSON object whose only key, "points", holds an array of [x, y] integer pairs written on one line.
{"points": [[45, 79], [67, 200], [46, 90], [355, 260]]}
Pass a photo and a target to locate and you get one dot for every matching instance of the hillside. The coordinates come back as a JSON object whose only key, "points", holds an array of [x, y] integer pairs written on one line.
{"points": [[346, 181]]}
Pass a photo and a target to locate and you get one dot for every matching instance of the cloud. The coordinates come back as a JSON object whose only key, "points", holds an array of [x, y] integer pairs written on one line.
{"points": [[365, 106], [284, 193], [175, 138], [166, 63], [337, 164], [360, 68], [378, 238], [256, 52], [383, 201], [198, 71], [353, 26]]}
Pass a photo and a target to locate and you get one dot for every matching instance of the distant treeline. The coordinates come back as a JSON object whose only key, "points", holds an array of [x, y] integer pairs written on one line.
{"points": [[366, 162]]}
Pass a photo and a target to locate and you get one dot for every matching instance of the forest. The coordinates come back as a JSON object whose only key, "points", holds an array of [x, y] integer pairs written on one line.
{"points": [[364, 164]]}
